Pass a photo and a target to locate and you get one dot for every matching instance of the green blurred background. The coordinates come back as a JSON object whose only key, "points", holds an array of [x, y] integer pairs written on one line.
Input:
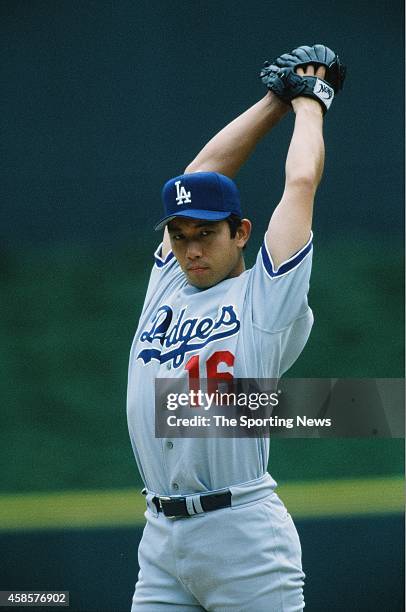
{"points": [[101, 103]]}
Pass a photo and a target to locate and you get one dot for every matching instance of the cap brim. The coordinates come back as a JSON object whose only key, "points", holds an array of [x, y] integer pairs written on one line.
{"points": [[206, 215]]}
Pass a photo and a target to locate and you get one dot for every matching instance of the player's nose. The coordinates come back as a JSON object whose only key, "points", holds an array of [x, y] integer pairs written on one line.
{"points": [[193, 249]]}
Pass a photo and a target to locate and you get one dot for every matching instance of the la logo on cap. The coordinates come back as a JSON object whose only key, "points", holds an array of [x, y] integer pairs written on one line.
{"points": [[183, 196]]}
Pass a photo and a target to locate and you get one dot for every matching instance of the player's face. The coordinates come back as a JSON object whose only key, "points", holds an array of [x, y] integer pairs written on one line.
{"points": [[205, 250]]}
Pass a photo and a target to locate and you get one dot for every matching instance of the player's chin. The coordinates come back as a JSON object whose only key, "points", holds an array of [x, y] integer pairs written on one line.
{"points": [[201, 278]]}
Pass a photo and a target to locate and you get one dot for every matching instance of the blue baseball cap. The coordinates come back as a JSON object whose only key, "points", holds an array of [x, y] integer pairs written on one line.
{"points": [[199, 195]]}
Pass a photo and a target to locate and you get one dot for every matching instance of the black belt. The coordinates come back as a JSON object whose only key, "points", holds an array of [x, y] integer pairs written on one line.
{"points": [[174, 507]]}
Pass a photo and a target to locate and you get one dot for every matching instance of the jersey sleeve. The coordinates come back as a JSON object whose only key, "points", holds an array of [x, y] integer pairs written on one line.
{"points": [[164, 271], [278, 296]]}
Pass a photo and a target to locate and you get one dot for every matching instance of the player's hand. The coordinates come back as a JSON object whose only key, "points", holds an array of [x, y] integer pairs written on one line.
{"points": [[313, 72], [309, 71]]}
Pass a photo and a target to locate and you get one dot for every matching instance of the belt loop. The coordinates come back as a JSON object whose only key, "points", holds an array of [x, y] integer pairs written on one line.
{"points": [[150, 503], [197, 504], [189, 505]]}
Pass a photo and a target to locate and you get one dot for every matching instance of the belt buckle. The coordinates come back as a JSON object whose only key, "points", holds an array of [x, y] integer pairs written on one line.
{"points": [[164, 498]]}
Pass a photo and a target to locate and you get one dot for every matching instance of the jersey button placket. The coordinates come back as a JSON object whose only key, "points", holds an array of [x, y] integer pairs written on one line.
{"points": [[175, 486], [169, 444]]}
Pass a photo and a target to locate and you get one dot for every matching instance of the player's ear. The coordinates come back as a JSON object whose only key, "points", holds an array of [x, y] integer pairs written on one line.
{"points": [[243, 232]]}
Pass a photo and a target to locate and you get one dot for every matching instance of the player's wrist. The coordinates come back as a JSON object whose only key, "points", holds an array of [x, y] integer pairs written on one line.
{"points": [[276, 105], [308, 105]]}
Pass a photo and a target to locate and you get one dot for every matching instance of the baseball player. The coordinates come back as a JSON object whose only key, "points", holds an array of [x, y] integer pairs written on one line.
{"points": [[217, 536]]}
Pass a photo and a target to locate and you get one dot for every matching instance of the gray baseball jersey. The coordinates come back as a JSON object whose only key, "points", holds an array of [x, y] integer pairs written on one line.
{"points": [[251, 326]]}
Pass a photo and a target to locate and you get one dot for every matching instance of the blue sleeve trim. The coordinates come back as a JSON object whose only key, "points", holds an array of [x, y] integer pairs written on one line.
{"points": [[159, 261], [286, 266]]}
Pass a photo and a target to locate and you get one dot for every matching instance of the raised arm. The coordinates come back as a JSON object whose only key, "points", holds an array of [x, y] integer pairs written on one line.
{"points": [[290, 225], [229, 149]]}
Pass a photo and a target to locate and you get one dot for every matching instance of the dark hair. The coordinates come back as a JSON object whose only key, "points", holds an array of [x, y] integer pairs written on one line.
{"points": [[234, 222]]}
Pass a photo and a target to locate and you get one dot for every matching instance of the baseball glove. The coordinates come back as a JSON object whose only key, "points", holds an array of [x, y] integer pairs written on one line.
{"points": [[280, 77]]}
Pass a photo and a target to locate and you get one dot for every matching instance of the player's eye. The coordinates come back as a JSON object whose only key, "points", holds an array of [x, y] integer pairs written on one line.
{"points": [[205, 233], [177, 236]]}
